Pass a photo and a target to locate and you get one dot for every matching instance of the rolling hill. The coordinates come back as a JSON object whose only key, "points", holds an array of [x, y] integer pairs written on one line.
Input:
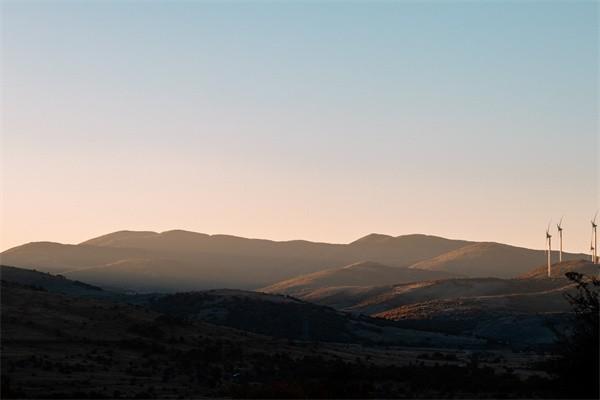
{"points": [[361, 274], [518, 310], [321, 289], [487, 260], [60, 346], [289, 318], [49, 282], [585, 267], [267, 314], [377, 299], [523, 311], [455, 289]]}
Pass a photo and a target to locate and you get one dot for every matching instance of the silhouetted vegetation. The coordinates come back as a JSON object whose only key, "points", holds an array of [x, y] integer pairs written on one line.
{"points": [[109, 350], [291, 319], [280, 376], [576, 369]]}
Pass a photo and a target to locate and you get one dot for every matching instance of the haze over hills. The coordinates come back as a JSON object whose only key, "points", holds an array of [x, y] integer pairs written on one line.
{"points": [[181, 260]]}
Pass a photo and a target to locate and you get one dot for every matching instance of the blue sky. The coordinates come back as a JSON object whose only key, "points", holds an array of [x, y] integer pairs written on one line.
{"points": [[320, 120]]}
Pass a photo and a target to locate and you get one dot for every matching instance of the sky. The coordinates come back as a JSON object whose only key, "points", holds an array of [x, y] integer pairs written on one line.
{"points": [[319, 120]]}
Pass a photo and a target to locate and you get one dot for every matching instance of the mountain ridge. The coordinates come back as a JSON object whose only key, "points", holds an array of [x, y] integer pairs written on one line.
{"points": [[183, 260]]}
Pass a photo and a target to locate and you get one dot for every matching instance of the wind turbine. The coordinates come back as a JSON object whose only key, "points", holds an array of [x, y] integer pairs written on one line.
{"points": [[594, 239], [549, 242], [560, 229]]}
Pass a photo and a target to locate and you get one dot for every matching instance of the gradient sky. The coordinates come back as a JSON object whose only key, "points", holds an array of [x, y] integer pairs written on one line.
{"points": [[319, 120]]}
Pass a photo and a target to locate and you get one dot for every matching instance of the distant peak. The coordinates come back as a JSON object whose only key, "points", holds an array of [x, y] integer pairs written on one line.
{"points": [[118, 235], [125, 232], [417, 235], [182, 232], [373, 238], [377, 238]]}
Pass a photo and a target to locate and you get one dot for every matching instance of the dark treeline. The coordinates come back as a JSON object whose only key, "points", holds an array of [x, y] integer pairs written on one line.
{"points": [[222, 369], [576, 369]]}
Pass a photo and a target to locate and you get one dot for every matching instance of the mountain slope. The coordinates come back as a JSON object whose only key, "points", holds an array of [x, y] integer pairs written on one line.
{"points": [[523, 311], [58, 346], [389, 297], [52, 283], [154, 269], [113, 239], [362, 274], [285, 317], [372, 300], [522, 319], [60, 258], [518, 303], [560, 269], [403, 250], [486, 260]]}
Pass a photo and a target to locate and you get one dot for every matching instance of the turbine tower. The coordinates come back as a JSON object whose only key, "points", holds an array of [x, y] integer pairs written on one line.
{"points": [[594, 239], [560, 229], [549, 242]]}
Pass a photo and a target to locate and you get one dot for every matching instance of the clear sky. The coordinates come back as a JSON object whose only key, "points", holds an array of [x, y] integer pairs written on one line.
{"points": [[319, 120]]}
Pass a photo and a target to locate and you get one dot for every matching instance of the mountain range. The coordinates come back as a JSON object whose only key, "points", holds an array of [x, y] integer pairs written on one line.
{"points": [[180, 260]]}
